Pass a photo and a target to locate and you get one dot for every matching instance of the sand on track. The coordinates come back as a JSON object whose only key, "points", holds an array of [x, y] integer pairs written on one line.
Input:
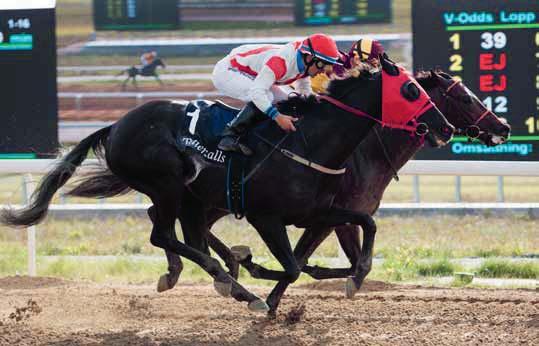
{"points": [[59, 312]]}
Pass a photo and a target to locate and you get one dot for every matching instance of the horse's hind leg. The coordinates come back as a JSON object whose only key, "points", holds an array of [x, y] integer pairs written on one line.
{"points": [[175, 265], [193, 218], [167, 206]]}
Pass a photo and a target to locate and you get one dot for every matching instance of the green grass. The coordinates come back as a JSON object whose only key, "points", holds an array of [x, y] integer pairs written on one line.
{"points": [[496, 268], [442, 267]]}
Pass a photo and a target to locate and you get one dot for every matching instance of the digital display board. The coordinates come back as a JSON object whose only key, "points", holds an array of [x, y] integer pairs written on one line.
{"points": [[324, 12], [493, 46], [136, 14], [29, 112]]}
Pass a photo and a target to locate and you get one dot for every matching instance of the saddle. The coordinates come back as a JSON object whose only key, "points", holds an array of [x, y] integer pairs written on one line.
{"points": [[204, 122]]}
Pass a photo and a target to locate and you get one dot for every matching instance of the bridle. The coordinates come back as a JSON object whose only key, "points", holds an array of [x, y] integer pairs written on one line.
{"points": [[471, 131], [416, 127]]}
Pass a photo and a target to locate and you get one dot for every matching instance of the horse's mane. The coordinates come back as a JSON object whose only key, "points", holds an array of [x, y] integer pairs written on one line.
{"points": [[300, 105], [361, 74]]}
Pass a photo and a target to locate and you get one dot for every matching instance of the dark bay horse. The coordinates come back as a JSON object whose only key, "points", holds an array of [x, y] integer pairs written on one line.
{"points": [[369, 172], [149, 70], [141, 150]]}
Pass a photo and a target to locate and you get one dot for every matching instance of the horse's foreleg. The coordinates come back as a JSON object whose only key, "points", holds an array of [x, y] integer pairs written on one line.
{"points": [[124, 84], [336, 217], [307, 244], [349, 241], [273, 232], [363, 264]]}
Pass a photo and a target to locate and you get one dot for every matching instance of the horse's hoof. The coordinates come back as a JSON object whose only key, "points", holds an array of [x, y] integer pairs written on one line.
{"points": [[350, 288], [223, 288], [162, 284], [258, 305], [241, 252]]}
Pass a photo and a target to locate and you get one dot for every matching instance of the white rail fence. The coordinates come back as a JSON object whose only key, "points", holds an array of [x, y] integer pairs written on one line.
{"points": [[415, 168]]}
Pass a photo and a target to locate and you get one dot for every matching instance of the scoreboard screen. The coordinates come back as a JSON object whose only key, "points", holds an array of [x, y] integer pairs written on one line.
{"points": [[324, 12], [29, 108], [136, 14], [493, 47]]}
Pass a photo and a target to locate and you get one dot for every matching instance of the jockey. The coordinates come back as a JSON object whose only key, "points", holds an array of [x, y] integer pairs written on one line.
{"points": [[147, 58], [364, 50], [261, 74]]}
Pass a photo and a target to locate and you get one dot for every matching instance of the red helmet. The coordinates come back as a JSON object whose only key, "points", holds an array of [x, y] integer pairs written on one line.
{"points": [[323, 47]]}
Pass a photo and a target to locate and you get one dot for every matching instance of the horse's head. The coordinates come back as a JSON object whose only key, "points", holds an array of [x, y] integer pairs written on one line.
{"points": [[464, 109], [406, 105], [159, 62]]}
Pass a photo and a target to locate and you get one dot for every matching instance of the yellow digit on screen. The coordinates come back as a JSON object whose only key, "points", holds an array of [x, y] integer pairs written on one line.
{"points": [[456, 60], [455, 39], [530, 122]]}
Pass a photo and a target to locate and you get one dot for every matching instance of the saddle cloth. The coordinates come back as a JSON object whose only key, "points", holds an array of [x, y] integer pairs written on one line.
{"points": [[204, 123]]}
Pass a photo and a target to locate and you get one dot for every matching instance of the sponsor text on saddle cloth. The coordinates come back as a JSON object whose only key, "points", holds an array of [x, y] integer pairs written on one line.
{"points": [[203, 126]]}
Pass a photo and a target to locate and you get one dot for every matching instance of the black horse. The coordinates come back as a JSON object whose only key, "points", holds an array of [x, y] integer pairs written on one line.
{"points": [[369, 171], [141, 150], [149, 70]]}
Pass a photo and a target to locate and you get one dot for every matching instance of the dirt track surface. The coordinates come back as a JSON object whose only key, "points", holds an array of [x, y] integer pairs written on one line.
{"points": [[57, 312]]}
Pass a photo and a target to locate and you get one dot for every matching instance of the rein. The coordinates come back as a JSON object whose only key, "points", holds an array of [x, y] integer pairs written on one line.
{"points": [[360, 113]]}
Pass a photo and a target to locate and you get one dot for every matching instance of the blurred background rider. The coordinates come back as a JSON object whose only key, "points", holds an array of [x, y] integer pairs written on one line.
{"points": [[260, 74], [147, 58]]}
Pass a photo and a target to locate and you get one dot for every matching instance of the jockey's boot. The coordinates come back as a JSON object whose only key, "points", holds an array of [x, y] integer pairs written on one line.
{"points": [[247, 118]]}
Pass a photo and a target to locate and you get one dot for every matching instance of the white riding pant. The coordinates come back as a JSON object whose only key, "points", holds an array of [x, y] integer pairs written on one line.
{"points": [[237, 84]]}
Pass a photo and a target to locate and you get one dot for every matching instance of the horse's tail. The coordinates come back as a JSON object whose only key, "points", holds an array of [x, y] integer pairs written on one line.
{"points": [[122, 72], [99, 183], [54, 180]]}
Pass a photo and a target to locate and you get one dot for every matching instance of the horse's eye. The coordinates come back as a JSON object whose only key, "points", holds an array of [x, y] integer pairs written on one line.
{"points": [[410, 91]]}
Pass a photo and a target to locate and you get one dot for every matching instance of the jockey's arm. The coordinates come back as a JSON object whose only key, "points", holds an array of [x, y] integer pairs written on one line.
{"points": [[261, 96]]}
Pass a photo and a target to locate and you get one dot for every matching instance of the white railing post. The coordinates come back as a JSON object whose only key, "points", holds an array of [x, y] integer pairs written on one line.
{"points": [[31, 231], [417, 194], [500, 196], [458, 189]]}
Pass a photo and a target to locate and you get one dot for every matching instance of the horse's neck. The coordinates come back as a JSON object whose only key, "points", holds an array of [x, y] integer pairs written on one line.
{"points": [[333, 134]]}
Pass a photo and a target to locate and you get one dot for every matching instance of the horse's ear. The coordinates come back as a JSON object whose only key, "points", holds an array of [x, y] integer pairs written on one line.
{"points": [[388, 66], [434, 74]]}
